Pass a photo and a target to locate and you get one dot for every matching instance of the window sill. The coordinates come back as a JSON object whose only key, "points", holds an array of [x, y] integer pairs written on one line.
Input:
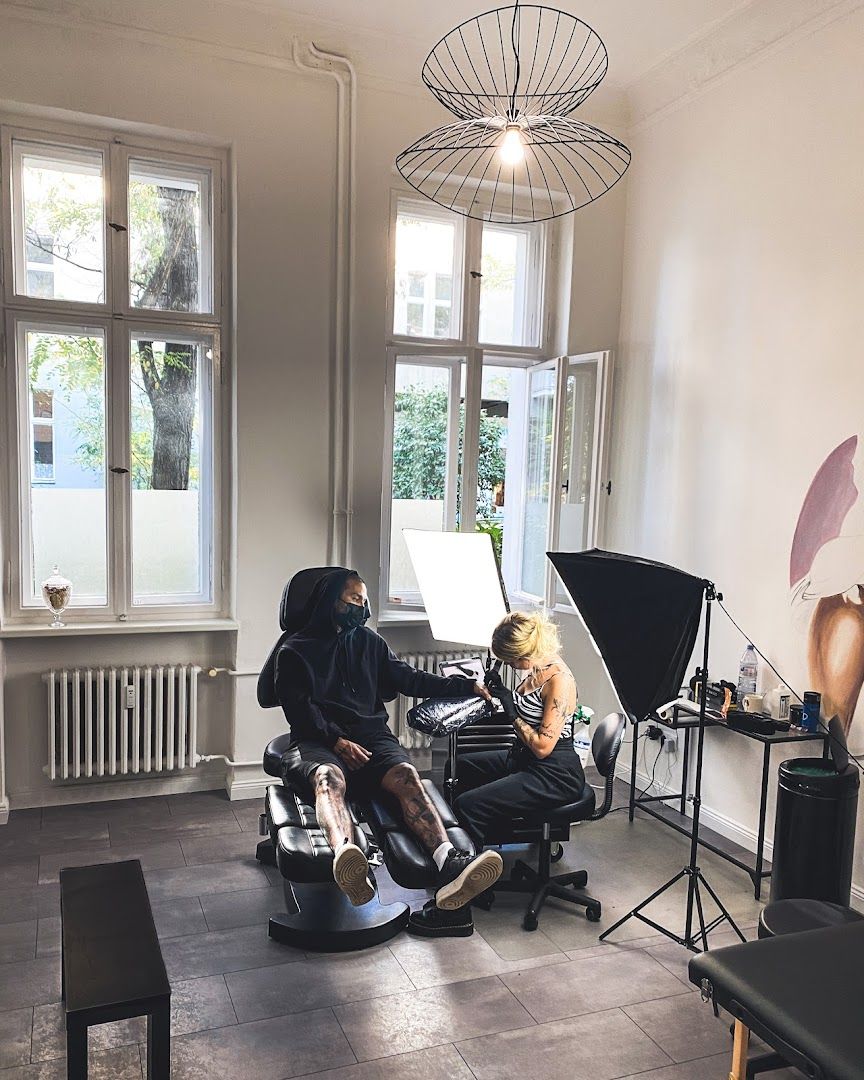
{"points": [[97, 629], [394, 617]]}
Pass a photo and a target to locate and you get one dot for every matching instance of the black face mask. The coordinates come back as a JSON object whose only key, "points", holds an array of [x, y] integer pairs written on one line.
{"points": [[353, 616]]}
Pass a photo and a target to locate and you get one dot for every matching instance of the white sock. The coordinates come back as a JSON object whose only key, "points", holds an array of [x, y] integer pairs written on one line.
{"points": [[439, 855]]}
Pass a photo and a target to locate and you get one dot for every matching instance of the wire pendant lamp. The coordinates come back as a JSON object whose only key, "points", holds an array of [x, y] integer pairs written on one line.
{"points": [[512, 77]]}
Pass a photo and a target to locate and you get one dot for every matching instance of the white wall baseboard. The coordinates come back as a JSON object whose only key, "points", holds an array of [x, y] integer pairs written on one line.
{"points": [[719, 823], [252, 786], [4, 812]]}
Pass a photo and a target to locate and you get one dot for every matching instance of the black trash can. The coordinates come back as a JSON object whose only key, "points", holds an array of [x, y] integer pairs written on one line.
{"points": [[814, 831]]}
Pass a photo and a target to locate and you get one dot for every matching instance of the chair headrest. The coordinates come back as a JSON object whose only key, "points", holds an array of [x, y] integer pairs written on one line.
{"points": [[606, 742], [293, 616]]}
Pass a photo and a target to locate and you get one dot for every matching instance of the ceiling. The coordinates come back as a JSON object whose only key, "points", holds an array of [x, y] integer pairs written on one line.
{"points": [[392, 37]]}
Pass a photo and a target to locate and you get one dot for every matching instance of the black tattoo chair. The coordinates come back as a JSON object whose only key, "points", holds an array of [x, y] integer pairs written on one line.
{"points": [[319, 916], [553, 827]]}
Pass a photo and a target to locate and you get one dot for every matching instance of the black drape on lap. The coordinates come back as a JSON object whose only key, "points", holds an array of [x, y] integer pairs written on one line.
{"points": [[643, 616]]}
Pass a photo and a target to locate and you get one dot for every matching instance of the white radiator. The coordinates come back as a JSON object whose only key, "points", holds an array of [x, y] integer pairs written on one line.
{"points": [[121, 721], [427, 661]]}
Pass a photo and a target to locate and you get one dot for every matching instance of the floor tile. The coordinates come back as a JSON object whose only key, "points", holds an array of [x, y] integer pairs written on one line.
{"points": [[502, 929], [49, 1033], [124, 1063], [18, 870], [419, 1019], [315, 983], [252, 907], [151, 857], [15, 1037], [197, 803], [247, 814], [48, 936], [220, 877], [28, 902], [684, 1026], [77, 835], [172, 828], [138, 811], [437, 1063], [178, 918], [200, 1004], [433, 962], [598, 1046], [264, 1050], [18, 941], [29, 982], [210, 849], [591, 985], [224, 950], [676, 958]]}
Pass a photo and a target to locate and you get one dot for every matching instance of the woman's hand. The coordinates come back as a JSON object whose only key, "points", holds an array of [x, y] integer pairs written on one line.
{"points": [[480, 689], [500, 691], [353, 754]]}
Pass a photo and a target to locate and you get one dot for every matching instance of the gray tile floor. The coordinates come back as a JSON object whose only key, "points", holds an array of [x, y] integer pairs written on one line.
{"points": [[503, 1003]]}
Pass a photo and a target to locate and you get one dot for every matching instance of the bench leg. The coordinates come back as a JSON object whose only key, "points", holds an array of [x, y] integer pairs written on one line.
{"points": [[159, 1043], [76, 1050], [739, 1052]]}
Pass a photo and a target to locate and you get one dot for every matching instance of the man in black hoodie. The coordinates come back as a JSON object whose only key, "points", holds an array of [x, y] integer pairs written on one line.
{"points": [[332, 679]]}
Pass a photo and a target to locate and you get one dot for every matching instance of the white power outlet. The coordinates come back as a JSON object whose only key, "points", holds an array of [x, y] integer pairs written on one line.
{"points": [[670, 745], [130, 697]]}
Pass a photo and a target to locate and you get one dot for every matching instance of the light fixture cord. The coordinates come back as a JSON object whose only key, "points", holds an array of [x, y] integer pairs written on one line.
{"points": [[518, 66]]}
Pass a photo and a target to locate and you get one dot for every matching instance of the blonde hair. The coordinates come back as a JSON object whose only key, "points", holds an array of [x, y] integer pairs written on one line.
{"points": [[523, 636]]}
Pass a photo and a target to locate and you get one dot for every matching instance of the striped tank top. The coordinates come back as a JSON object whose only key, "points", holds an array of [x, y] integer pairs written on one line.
{"points": [[530, 709]]}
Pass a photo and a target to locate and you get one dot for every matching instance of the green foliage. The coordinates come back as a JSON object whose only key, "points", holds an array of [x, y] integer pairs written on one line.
{"points": [[496, 530], [420, 446]]}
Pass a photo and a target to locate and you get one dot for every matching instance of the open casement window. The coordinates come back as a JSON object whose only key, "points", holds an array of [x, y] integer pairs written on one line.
{"points": [[113, 398], [560, 486]]}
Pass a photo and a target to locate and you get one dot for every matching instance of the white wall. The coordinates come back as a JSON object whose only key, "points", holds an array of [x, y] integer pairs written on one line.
{"points": [[739, 367]]}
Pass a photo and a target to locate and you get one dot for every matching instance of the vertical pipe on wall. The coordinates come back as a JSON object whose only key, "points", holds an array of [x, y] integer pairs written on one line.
{"points": [[341, 421]]}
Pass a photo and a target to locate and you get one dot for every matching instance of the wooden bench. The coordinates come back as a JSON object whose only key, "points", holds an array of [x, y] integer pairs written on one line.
{"points": [[112, 966]]}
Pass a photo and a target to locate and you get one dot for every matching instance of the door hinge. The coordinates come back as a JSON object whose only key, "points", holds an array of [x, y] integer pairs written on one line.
{"points": [[608, 487]]}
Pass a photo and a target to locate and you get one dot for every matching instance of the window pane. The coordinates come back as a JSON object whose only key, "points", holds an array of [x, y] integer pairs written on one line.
{"points": [[541, 412], [171, 464], [420, 465], [507, 289], [61, 254], [170, 251], [500, 391], [427, 250], [577, 462], [67, 515]]}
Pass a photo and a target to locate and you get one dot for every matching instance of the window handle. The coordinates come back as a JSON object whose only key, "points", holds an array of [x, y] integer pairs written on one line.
{"points": [[475, 274], [117, 228], [118, 471]]}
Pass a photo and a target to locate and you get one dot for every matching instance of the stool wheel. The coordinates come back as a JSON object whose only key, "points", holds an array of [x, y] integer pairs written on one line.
{"points": [[529, 922], [593, 912], [557, 853]]}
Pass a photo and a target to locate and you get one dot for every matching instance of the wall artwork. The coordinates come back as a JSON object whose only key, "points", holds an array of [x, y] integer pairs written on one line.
{"points": [[826, 575]]}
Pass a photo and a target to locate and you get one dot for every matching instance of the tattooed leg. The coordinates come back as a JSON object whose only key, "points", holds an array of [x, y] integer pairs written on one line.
{"points": [[418, 810], [330, 806]]}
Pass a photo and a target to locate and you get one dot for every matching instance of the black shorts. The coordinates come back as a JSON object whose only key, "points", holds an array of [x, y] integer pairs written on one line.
{"points": [[303, 758]]}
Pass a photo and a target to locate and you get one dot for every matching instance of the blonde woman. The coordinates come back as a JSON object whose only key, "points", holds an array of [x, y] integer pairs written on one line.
{"points": [[543, 770]]}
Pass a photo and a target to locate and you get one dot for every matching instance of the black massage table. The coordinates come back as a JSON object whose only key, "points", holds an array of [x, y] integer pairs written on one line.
{"points": [[803, 994]]}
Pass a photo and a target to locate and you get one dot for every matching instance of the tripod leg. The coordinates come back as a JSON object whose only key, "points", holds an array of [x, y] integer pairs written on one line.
{"points": [[703, 933], [635, 911], [721, 906]]}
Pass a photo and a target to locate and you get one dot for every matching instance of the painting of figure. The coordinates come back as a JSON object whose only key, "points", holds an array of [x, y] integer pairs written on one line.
{"points": [[826, 572]]}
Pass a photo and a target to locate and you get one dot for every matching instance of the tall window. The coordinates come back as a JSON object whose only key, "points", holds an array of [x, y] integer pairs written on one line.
{"points": [[112, 296], [487, 434]]}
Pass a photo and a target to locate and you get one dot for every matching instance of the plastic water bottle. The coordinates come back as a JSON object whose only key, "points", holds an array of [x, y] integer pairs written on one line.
{"points": [[747, 671]]}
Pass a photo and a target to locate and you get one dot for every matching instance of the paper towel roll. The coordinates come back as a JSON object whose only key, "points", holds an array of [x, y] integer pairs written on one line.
{"points": [[752, 703]]}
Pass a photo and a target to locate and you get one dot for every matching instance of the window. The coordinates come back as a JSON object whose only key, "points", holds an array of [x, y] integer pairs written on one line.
{"points": [[113, 324], [510, 284], [427, 272]]}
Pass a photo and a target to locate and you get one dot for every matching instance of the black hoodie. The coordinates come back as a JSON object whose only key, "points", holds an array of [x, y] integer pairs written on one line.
{"points": [[333, 685]]}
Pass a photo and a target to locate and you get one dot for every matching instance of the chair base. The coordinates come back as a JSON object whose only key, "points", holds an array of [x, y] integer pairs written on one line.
{"points": [[570, 887], [326, 921]]}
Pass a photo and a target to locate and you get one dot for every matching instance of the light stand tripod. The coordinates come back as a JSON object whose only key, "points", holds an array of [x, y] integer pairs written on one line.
{"points": [[691, 872]]}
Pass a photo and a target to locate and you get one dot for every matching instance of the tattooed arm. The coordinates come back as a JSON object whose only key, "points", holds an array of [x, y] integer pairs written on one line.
{"points": [[559, 701]]}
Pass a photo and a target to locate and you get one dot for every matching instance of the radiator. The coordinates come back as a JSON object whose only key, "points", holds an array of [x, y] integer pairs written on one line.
{"points": [[426, 661], [121, 721]]}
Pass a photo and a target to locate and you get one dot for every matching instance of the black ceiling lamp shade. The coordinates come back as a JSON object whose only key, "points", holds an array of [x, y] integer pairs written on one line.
{"points": [[644, 618], [512, 77]]}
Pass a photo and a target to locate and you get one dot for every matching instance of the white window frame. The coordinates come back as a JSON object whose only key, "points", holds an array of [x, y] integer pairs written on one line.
{"points": [[119, 319]]}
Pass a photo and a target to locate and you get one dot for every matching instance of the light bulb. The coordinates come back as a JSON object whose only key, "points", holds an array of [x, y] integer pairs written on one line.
{"points": [[512, 148]]}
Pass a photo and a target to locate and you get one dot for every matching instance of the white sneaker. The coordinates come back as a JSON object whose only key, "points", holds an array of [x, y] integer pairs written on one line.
{"points": [[351, 874]]}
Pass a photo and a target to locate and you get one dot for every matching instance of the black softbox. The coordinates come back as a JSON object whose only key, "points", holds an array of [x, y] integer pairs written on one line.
{"points": [[643, 616]]}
